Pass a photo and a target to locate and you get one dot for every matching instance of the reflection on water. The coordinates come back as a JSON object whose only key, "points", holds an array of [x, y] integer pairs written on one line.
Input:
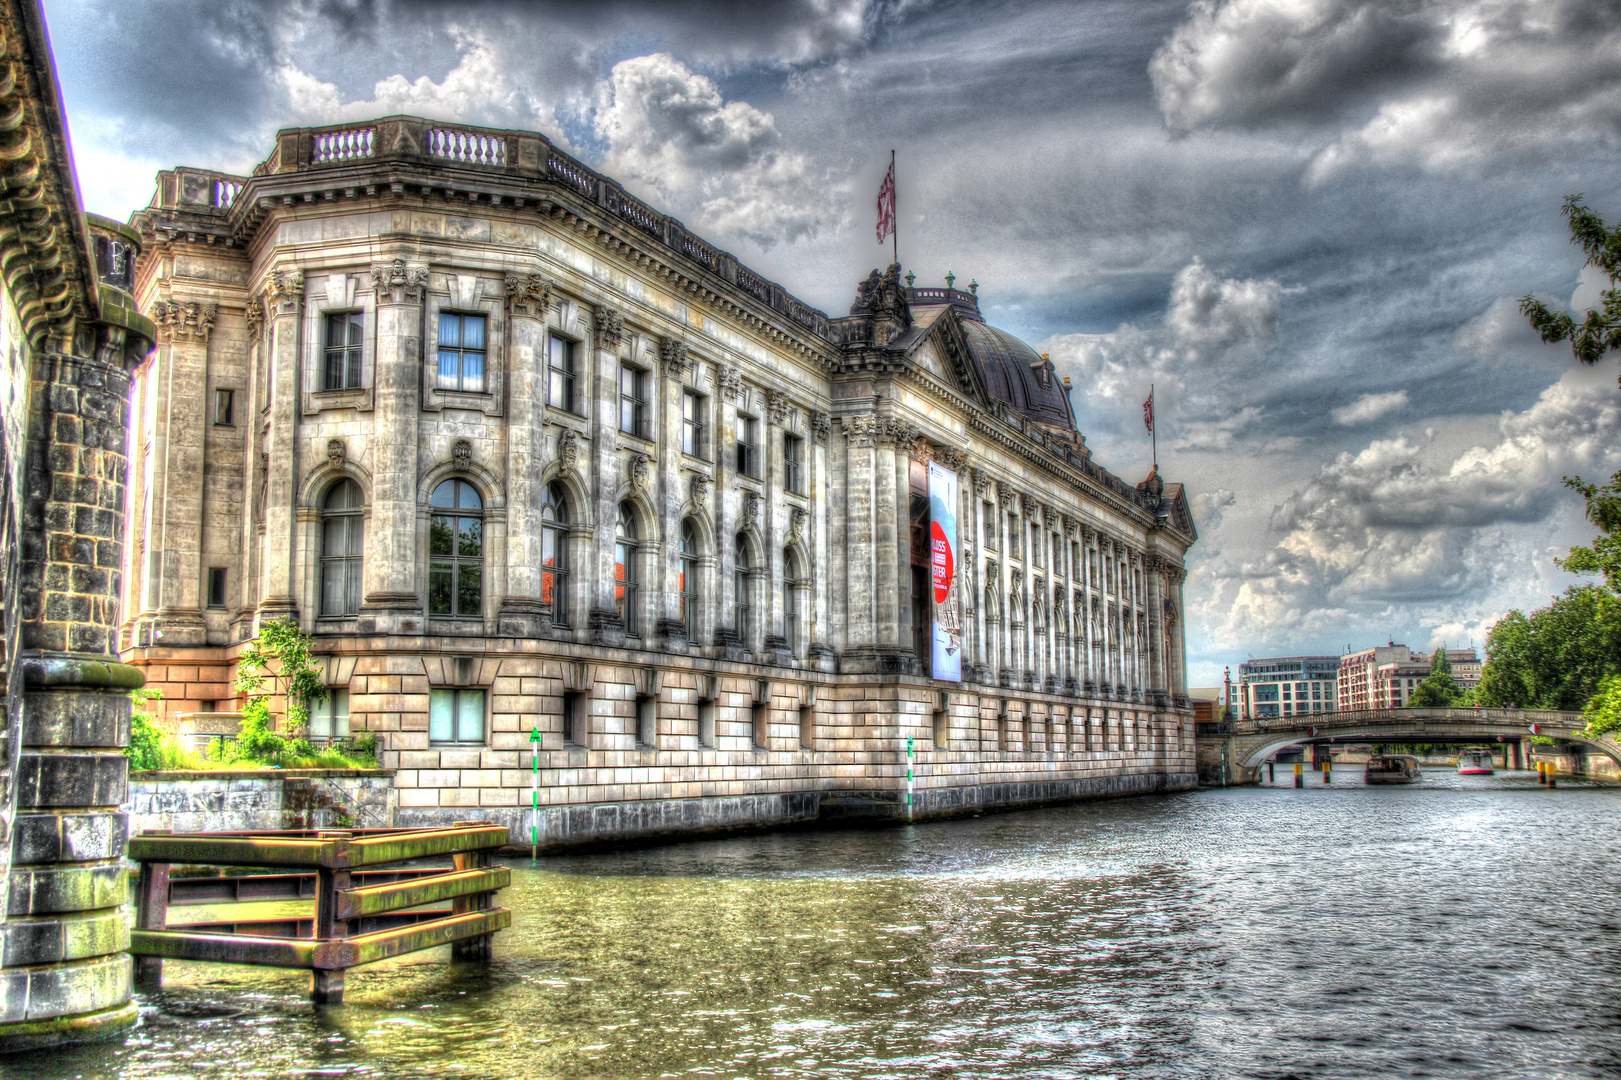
{"points": [[1459, 927]]}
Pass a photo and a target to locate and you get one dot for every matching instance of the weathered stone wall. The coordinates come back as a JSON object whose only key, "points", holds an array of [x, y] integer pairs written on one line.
{"points": [[234, 800]]}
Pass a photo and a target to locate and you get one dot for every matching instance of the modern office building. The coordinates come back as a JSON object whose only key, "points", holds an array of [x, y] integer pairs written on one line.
{"points": [[1287, 686], [526, 456]]}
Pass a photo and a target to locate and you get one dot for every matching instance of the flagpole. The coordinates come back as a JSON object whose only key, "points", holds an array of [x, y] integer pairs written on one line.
{"points": [[1153, 430], [895, 233]]}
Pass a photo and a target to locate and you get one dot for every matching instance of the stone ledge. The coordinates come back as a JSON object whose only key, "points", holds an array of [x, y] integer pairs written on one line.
{"points": [[256, 774]]}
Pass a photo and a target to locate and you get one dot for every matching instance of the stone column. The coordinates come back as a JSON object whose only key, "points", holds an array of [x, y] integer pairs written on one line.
{"points": [[528, 296], [861, 618], [772, 569], [605, 627], [183, 420], [889, 520], [284, 294], [1156, 629], [728, 500], [393, 600], [66, 977], [669, 632]]}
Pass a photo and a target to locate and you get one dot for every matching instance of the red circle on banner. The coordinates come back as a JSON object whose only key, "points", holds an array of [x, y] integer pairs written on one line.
{"points": [[943, 567]]}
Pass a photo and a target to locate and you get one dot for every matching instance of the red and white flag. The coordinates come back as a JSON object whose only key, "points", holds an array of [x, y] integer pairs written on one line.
{"points": [[1148, 413], [886, 204]]}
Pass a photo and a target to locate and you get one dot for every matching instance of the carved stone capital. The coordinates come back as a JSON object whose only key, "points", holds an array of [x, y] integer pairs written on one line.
{"points": [[860, 430], [395, 282], [982, 483], [952, 457], [1071, 526], [184, 321], [528, 295], [673, 358], [610, 324], [255, 315], [729, 380], [821, 425], [777, 406]]}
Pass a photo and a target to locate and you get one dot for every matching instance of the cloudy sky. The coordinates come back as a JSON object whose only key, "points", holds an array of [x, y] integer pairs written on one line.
{"points": [[1304, 221]]}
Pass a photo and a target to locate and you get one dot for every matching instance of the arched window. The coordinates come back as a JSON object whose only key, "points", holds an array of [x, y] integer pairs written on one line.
{"points": [[791, 584], [689, 578], [342, 545], [740, 580], [625, 598], [554, 553], [456, 551]]}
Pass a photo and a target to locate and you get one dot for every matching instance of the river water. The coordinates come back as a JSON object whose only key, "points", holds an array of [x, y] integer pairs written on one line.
{"points": [[1463, 927]]}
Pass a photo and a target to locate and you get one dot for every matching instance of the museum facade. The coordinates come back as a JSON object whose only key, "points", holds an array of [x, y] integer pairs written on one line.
{"points": [[537, 467]]}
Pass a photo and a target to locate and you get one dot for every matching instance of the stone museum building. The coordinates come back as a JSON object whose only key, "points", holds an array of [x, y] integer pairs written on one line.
{"points": [[530, 461]]}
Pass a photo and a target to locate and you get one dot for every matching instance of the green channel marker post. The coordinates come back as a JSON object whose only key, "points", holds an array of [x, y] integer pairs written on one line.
{"points": [[534, 794], [909, 756]]}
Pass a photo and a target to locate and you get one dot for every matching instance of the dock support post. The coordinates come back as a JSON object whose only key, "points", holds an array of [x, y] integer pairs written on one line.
{"points": [[326, 987], [1271, 773], [473, 948], [151, 913], [1328, 770], [1300, 774]]}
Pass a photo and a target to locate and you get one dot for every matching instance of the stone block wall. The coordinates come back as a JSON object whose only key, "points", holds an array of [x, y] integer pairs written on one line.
{"points": [[238, 800]]}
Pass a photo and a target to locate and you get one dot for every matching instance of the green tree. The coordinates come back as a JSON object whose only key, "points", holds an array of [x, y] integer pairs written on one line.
{"points": [[1440, 689], [1604, 510], [1603, 712], [280, 657], [1556, 657], [1601, 330]]}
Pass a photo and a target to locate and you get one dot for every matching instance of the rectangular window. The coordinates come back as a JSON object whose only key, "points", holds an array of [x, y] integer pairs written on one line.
{"points": [[1037, 556], [216, 586], [987, 511], [560, 374], [225, 407], [632, 401], [456, 716], [329, 719], [647, 720], [792, 469], [692, 424], [461, 352], [576, 717], [344, 334], [1015, 536], [748, 446]]}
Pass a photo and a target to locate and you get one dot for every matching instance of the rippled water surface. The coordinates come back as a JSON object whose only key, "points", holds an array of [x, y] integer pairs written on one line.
{"points": [[1462, 927]]}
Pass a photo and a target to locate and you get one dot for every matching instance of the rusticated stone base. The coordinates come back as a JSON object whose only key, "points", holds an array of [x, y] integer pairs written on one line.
{"points": [[675, 819], [27, 1035]]}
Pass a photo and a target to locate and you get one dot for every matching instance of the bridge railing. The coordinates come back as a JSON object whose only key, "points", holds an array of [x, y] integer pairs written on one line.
{"points": [[1387, 717]]}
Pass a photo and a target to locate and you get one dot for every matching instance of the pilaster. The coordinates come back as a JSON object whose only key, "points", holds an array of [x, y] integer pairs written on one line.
{"points": [[393, 600], [528, 297], [284, 296]]}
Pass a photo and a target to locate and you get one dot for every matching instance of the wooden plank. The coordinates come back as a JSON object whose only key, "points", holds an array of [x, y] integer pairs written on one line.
{"points": [[228, 948], [228, 851], [375, 899], [371, 850], [383, 944]]}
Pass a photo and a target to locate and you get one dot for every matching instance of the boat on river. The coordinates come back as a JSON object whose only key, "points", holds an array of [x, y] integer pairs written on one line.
{"points": [[1475, 763], [1392, 769]]}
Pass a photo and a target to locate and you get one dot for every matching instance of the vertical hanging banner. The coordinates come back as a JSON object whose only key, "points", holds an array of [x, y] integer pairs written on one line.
{"points": [[943, 551]]}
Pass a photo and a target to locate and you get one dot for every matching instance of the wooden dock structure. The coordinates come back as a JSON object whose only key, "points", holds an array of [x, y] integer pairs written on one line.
{"points": [[338, 908]]}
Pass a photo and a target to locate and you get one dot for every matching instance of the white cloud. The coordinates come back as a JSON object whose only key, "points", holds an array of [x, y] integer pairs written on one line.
{"points": [[1370, 407], [1452, 85], [478, 90], [1218, 434], [669, 130]]}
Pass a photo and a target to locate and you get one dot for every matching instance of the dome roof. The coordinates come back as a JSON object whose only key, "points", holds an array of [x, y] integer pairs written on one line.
{"points": [[1017, 374]]}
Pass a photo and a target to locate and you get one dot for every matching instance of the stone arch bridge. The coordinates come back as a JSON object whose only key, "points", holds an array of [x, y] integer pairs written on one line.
{"points": [[1248, 743]]}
